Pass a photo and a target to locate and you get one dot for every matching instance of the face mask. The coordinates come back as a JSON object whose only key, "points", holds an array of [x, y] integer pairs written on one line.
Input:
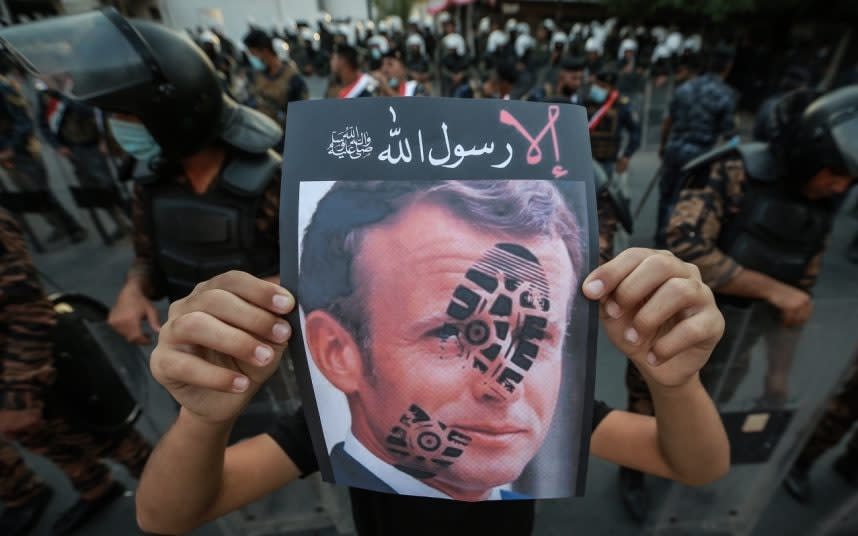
{"points": [[256, 63], [375, 53], [134, 139], [393, 82], [598, 94]]}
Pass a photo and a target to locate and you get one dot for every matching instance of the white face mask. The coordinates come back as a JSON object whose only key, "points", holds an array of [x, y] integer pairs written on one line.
{"points": [[135, 139]]}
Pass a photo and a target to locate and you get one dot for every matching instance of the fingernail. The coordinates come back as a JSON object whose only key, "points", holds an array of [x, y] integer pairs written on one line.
{"points": [[282, 302], [240, 384], [651, 359], [613, 309], [281, 331], [632, 336], [263, 355], [595, 288]]}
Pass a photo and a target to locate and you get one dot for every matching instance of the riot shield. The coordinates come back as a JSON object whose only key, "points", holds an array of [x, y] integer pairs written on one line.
{"points": [[101, 378], [770, 384]]}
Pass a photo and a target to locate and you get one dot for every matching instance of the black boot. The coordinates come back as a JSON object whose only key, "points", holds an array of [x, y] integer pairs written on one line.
{"points": [[19, 520], [634, 494], [797, 483], [847, 468], [84, 510]]}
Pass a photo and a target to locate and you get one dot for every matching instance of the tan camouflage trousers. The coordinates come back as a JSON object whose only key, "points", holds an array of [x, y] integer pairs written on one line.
{"points": [[78, 453]]}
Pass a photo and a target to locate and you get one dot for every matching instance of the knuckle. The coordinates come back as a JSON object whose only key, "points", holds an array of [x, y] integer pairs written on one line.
{"points": [[190, 322], [212, 298]]}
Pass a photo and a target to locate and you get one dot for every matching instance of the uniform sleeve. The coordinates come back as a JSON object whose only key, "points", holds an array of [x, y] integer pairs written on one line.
{"points": [[143, 265], [695, 224], [22, 126], [291, 434], [727, 127], [600, 411], [27, 321], [633, 129], [608, 222], [268, 217]]}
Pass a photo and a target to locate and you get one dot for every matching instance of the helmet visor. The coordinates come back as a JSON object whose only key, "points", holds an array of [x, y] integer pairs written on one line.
{"points": [[83, 56], [845, 136]]}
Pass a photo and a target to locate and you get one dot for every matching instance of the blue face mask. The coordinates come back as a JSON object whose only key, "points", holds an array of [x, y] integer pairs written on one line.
{"points": [[134, 139], [256, 63], [598, 94]]}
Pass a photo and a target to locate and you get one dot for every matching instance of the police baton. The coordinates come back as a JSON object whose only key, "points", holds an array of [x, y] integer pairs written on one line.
{"points": [[649, 188]]}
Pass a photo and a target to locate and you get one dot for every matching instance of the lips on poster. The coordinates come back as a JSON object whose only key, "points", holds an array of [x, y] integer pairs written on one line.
{"points": [[437, 247]]}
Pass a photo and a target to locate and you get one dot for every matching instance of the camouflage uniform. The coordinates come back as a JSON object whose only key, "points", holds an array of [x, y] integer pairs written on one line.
{"points": [[25, 167], [27, 373], [692, 235], [701, 112]]}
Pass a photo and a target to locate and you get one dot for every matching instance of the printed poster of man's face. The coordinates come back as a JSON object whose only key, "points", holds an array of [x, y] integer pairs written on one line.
{"points": [[445, 333]]}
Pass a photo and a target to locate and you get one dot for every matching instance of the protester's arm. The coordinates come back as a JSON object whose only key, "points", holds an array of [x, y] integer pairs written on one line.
{"points": [[684, 442], [657, 311], [192, 467], [219, 345]]}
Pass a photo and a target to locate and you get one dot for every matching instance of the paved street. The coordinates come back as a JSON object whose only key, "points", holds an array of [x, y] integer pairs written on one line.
{"points": [[94, 269]]}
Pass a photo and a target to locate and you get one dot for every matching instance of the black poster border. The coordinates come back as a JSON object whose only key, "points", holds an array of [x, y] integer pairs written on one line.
{"points": [[289, 265]]}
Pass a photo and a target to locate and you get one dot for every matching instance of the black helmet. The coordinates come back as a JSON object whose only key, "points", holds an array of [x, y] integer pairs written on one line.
{"points": [[137, 67], [812, 132], [829, 130]]}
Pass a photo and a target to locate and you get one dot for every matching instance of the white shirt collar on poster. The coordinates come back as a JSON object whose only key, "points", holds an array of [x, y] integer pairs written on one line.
{"points": [[400, 482]]}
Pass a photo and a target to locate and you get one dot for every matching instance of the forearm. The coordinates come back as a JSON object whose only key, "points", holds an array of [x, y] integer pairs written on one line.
{"points": [[183, 477], [690, 433], [750, 284]]}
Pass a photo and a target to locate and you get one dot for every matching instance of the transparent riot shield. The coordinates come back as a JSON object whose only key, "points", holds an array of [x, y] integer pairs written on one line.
{"points": [[770, 384]]}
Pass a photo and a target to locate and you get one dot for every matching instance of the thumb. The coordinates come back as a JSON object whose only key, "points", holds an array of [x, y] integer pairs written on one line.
{"points": [[152, 317]]}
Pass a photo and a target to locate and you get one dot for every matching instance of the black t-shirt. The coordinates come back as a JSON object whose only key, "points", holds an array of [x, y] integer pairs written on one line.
{"points": [[384, 514]]}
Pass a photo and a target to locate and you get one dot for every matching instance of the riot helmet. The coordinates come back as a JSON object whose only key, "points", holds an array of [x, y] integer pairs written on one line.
{"points": [[132, 67], [824, 134]]}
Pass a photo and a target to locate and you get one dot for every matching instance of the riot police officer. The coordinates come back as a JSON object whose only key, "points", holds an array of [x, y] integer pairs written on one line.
{"points": [[209, 201], [32, 412], [610, 115], [276, 83], [700, 115], [754, 218]]}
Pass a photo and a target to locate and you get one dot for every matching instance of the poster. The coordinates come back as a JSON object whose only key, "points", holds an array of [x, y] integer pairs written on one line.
{"points": [[436, 249]]}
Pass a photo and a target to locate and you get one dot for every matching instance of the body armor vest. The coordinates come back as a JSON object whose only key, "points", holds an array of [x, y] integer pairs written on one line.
{"points": [[198, 236], [273, 93], [605, 139], [774, 232]]}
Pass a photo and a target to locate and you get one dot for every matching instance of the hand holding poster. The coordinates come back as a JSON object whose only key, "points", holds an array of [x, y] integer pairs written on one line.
{"points": [[437, 246]]}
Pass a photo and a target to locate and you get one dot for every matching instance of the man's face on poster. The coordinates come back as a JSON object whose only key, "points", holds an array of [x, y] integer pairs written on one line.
{"points": [[459, 377]]}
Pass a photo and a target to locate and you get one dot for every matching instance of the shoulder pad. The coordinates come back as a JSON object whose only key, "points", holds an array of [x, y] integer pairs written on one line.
{"points": [[248, 130], [759, 162], [711, 156], [250, 174]]}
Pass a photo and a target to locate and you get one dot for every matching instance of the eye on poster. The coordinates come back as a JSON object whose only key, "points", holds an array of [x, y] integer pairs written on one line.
{"points": [[436, 249]]}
